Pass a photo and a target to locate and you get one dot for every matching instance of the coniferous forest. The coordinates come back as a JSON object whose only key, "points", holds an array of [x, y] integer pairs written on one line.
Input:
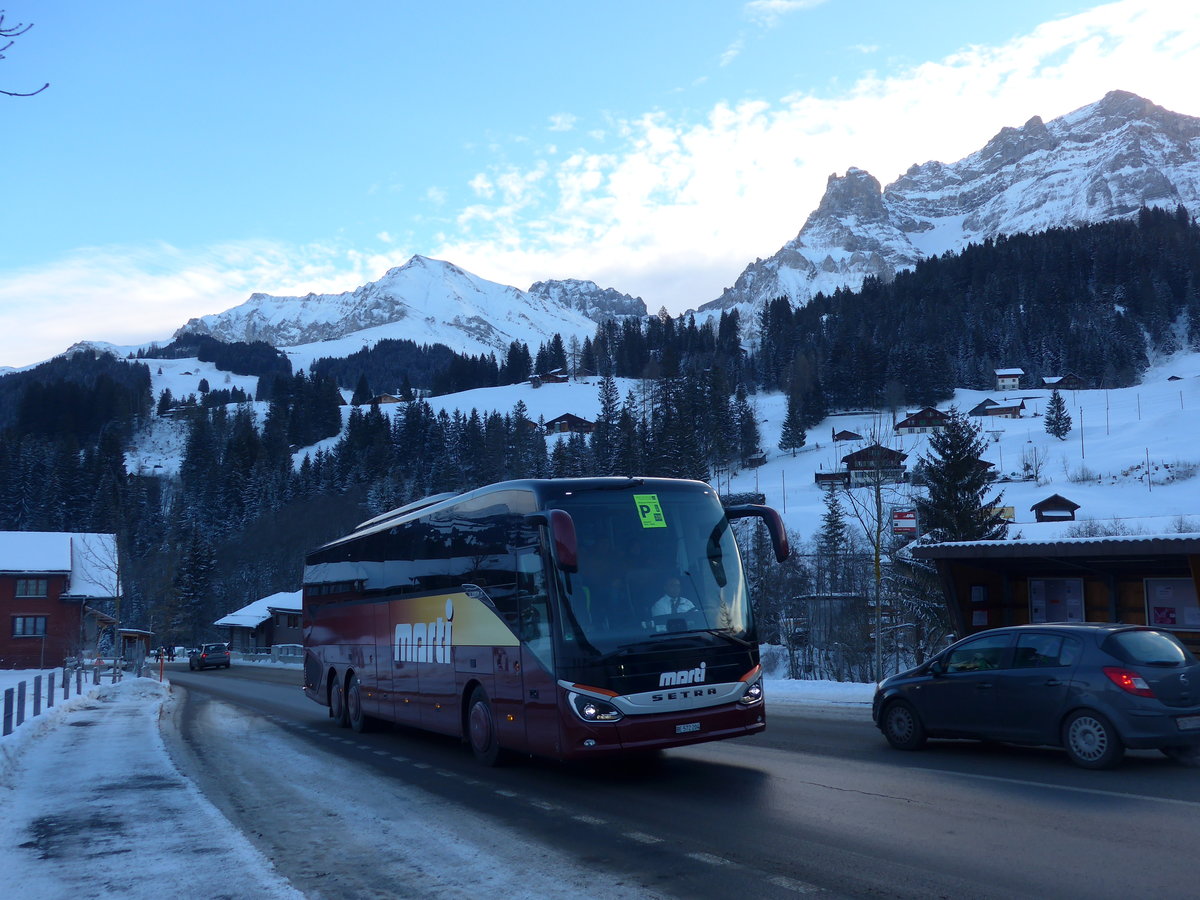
{"points": [[235, 523]]}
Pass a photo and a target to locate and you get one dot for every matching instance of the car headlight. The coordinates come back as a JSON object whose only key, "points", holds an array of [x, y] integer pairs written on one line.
{"points": [[754, 694], [593, 709]]}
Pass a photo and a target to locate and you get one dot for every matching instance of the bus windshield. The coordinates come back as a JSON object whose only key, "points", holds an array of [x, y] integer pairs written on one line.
{"points": [[651, 565]]}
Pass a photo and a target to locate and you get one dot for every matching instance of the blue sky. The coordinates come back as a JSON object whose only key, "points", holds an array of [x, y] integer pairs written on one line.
{"points": [[188, 154]]}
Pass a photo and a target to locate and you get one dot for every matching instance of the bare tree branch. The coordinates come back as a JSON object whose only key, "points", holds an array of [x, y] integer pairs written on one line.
{"points": [[13, 32]]}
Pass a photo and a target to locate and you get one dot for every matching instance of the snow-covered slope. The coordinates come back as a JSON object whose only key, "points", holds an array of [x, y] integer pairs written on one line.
{"points": [[426, 301], [1101, 162]]}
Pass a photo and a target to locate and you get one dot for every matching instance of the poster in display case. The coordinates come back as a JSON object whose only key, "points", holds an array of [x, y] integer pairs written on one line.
{"points": [[1171, 603], [1055, 600]]}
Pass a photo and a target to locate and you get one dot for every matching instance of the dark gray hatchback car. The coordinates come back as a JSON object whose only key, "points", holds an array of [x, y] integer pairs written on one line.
{"points": [[209, 655], [1094, 689]]}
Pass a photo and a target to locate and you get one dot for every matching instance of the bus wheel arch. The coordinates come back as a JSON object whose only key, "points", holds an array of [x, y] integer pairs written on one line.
{"points": [[480, 727]]}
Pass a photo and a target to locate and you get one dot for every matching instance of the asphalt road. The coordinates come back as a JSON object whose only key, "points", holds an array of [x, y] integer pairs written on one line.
{"points": [[818, 804]]}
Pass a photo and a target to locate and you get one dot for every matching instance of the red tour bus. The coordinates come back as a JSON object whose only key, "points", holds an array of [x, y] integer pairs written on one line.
{"points": [[566, 618]]}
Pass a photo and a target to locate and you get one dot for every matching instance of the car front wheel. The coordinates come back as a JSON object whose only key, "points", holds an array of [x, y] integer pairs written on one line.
{"points": [[1091, 741], [902, 726]]}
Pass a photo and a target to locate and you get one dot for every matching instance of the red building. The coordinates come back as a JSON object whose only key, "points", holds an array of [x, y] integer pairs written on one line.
{"points": [[47, 582]]}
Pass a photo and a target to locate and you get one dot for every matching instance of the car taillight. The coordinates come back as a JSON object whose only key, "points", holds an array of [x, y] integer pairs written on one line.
{"points": [[1128, 681]]}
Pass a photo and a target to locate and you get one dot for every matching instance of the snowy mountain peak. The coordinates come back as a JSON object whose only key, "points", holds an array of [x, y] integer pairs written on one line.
{"points": [[1102, 161], [425, 300]]}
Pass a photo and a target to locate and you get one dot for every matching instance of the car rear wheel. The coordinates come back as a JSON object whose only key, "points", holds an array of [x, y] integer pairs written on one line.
{"points": [[481, 729], [359, 720], [902, 726], [1091, 741], [337, 704]]}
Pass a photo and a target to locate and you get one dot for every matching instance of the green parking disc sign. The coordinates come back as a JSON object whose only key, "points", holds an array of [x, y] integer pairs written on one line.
{"points": [[650, 511]]}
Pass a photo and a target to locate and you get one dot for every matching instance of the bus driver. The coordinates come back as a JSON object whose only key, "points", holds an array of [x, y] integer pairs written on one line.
{"points": [[671, 602]]}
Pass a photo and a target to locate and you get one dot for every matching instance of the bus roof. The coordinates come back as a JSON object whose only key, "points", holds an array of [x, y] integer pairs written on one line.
{"points": [[543, 488]]}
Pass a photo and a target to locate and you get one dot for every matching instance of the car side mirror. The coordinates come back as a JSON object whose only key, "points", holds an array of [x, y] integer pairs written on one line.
{"points": [[937, 667]]}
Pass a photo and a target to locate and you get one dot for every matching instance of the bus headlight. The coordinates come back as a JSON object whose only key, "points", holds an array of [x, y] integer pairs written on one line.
{"points": [[591, 709], [753, 695]]}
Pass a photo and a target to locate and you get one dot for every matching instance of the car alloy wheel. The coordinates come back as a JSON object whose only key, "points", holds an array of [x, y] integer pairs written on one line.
{"points": [[1091, 741], [902, 726]]}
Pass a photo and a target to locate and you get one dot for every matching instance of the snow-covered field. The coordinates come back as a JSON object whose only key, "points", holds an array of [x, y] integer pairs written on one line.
{"points": [[1102, 465]]}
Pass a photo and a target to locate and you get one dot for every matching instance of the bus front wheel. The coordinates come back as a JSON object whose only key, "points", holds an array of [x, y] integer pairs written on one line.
{"points": [[481, 729]]}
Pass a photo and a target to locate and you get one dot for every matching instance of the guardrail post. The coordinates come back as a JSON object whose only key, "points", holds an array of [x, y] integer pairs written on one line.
{"points": [[37, 695], [8, 710], [79, 681], [50, 690], [20, 703], [96, 673]]}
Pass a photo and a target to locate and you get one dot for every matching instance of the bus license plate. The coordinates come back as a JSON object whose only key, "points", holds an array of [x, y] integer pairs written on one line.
{"points": [[695, 726], [1188, 723]]}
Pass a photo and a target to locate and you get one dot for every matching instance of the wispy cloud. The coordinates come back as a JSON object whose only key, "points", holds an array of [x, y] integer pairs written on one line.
{"points": [[768, 12], [732, 51], [682, 206], [562, 122]]}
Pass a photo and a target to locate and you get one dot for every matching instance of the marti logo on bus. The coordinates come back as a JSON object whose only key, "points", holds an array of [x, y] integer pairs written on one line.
{"points": [[427, 642], [686, 676]]}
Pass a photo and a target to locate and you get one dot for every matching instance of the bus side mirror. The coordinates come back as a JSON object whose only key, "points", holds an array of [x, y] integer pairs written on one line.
{"points": [[773, 521], [562, 537]]}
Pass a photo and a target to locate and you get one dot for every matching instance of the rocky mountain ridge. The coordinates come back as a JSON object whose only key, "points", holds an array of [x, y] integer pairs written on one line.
{"points": [[426, 301], [1101, 162]]}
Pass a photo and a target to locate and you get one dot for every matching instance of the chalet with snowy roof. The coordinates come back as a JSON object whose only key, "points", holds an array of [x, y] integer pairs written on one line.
{"points": [[982, 407], [844, 435], [569, 423], [1137, 579], [558, 376], [924, 421], [1009, 379], [875, 462], [1055, 508], [1068, 382], [50, 586], [1004, 410], [265, 622]]}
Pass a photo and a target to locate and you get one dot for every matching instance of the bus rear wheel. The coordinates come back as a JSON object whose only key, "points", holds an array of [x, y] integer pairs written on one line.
{"points": [[481, 729], [337, 703]]}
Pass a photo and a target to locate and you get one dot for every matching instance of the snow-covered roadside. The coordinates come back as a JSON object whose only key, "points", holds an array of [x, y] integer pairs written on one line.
{"points": [[93, 807]]}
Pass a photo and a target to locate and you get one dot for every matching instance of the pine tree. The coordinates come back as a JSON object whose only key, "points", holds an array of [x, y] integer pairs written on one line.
{"points": [[956, 478], [1058, 420], [793, 434]]}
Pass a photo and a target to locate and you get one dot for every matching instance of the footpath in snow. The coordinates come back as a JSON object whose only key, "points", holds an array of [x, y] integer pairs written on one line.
{"points": [[93, 807]]}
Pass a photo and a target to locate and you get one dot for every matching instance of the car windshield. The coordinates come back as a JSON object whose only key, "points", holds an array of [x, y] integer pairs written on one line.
{"points": [[215, 648], [1149, 648], [652, 566]]}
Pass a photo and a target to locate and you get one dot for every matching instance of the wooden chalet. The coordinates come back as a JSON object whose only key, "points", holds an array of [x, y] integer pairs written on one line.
{"points": [[1068, 382], [874, 462], [924, 421], [1005, 410], [839, 436], [558, 376], [265, 622], [1055, 508], [1142, 580], [569, 423]]}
